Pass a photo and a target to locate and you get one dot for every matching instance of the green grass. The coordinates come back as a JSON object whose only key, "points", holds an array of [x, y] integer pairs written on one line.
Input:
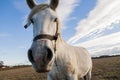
{"points": [[103, 69]]}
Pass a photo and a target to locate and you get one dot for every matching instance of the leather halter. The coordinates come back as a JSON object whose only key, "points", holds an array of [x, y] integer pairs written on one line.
{"points": [[47, 36]]}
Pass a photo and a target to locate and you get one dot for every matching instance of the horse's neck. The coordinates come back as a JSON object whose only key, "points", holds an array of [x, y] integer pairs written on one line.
{"points": [[63, 57], [61, 49], [61, 45]]}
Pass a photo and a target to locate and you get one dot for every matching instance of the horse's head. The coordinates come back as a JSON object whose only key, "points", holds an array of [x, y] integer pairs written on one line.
{"points": [[45, 31]]}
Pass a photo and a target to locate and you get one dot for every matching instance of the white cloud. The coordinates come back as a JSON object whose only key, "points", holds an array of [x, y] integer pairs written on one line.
{"points": [[108, 51], [102, 41], [65, 8], [104, 45], [99, 19]]}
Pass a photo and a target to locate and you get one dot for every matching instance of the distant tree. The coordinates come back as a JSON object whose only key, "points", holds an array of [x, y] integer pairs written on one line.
{"points": [[104, 56], [1, 64]]}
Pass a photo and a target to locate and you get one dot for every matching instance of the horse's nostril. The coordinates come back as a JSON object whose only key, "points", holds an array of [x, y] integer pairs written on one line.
{"points": [[30, 56], [49, 54]]}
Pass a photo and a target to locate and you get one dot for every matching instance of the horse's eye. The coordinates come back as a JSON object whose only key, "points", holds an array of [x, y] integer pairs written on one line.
{"points": [[55, 20], [31, 20]]}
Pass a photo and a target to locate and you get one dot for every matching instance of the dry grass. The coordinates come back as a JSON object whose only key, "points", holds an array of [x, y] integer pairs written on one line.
{"points": [[106, 68], [103, 69], [26, 73]]}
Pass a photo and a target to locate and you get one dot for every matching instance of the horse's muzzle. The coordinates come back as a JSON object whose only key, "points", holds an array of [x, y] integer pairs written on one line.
{"points": [[40, 59]]}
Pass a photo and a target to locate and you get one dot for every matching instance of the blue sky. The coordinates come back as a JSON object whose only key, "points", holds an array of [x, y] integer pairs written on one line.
{"points": [[93, 24]]}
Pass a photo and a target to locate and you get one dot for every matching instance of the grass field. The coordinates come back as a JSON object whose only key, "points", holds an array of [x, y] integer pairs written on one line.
{"points": [[103, 69]]}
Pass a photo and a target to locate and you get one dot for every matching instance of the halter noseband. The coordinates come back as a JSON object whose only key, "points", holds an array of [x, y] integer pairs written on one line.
{"points": [[46, 36]]}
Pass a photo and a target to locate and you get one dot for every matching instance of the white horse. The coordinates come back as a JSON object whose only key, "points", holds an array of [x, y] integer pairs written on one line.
{"points": [[49, 53]]}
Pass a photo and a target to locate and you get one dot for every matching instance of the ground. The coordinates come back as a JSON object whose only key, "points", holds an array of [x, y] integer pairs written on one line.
{"points": [[106, 68]]}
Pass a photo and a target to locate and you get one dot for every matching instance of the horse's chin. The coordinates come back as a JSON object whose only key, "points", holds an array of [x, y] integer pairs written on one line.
{"points": [[42, 69]]}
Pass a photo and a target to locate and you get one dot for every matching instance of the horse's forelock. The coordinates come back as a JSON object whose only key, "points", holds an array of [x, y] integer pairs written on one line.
{"points": [[36, 9]]}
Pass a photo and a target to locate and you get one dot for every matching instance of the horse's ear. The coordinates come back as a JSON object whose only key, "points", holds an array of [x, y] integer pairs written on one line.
{"points": [[31, 3], [54, 4]]}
